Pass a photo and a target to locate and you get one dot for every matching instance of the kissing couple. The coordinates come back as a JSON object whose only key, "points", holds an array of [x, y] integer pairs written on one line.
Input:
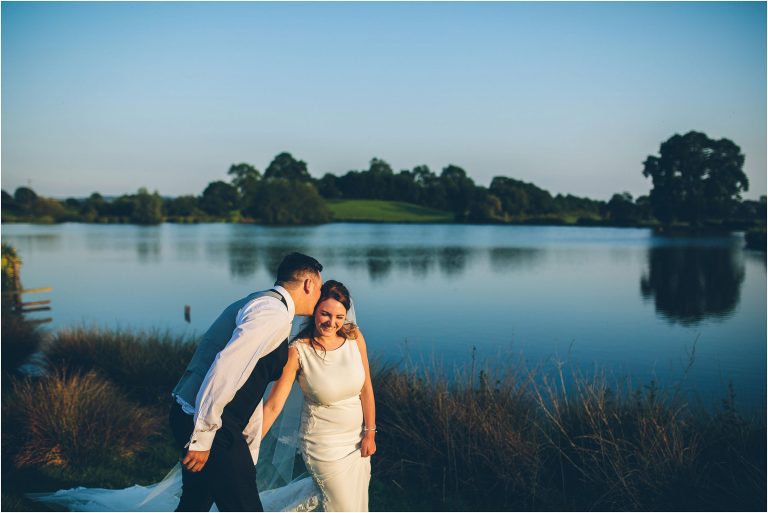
{"points": [[218, 417]]}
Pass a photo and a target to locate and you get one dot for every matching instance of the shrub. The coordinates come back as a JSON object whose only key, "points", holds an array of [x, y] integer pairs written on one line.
{"points": [[20, 338], [74, 420], [145, 365], [11, 264]]}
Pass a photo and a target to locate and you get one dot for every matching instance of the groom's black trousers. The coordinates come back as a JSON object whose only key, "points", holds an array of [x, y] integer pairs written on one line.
{"points": [[229, 476]]}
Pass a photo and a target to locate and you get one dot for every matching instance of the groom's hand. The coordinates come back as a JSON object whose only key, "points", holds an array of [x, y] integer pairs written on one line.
{"points": [[195, 460]]}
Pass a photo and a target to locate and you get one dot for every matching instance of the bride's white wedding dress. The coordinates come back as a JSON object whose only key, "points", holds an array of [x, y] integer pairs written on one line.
{"points": [[329, 436], [299, 495], [281, 490], [332, 424]]}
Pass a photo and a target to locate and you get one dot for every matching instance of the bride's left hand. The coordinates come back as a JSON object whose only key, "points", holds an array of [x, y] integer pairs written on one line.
{"points": [[368, 446]]}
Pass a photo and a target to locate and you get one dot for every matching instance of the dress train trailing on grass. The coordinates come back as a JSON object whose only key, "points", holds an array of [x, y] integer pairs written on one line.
{"points": [[299, 495], [282, 489]]}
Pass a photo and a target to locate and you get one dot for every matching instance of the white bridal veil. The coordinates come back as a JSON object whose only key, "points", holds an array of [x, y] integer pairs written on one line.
{"points": [[281, 477]]}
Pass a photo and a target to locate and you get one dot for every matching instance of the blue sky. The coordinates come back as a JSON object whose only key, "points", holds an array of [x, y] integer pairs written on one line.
{"points": [[571, 96]]}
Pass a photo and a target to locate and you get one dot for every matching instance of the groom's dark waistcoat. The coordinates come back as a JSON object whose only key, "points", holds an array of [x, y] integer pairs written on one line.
{"points": [[267, 369], [211, 343]]}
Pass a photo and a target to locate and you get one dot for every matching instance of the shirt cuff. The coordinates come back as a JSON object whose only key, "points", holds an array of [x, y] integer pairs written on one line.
{"points": [[201, 440]]}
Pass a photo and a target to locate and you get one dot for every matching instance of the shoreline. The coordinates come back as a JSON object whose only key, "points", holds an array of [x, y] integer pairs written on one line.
{"points": [[485, 441], [581, 223]]}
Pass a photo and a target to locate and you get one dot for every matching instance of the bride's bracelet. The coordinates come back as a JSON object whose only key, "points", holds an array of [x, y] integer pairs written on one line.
{"points": [[370, 429]]}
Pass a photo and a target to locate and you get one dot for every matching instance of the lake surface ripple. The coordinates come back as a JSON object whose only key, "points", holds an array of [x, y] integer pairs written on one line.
{"points": [[683, 310]]}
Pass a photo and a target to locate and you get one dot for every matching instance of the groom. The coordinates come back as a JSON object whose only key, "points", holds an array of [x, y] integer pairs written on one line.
{"points": [[217, 415]]}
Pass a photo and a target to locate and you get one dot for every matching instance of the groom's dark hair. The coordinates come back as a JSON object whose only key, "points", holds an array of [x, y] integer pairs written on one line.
{"points": [[294, 266]]}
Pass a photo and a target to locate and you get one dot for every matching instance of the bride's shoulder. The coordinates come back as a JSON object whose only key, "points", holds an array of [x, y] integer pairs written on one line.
{"points": [[299, 341], [356, 334]]}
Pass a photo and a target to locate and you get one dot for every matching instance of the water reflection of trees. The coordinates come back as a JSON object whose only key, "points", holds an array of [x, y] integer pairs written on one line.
{"points": [[689, 284], [247, 256], [509, 259], [149, 244], [379, 262], [35, 242], [243, 258]]}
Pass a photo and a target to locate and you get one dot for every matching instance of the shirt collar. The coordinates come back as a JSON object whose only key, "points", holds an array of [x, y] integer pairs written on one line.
{"points": [[288, 300]]}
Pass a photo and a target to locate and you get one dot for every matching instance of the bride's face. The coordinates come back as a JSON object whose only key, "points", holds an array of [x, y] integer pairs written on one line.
{"points": [[329, 317]]}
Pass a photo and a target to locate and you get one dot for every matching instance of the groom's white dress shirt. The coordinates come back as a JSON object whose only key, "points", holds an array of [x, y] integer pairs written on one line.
{"points": [[261, 325]]}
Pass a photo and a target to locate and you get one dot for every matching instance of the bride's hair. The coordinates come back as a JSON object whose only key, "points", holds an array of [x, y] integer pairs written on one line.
{"points": [[331, 289]]}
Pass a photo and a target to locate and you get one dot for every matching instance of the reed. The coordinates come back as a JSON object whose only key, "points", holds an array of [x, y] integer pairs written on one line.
{"points": [[525, 440], [68, 420], [144, 364], [442, 439]]}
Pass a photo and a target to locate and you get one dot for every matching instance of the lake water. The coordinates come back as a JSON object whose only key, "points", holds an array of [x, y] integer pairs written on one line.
{"points": [[624, 300]]}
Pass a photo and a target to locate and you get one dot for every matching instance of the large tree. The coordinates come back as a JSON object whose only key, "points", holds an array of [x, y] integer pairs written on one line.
{"points": [[244, 177], [512, 194], [459, 190], [182, 206], [285, 166], [25, 197], [695, 178], [281, 201], [327, 187], [622, 209], [219, 198], [148, 208]]}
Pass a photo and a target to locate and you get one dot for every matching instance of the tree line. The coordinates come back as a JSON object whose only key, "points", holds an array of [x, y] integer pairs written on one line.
{"points": [[696, 181]]}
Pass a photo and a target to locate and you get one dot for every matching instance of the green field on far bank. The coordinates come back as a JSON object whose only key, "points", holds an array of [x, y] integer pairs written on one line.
{"points": [[380, 211]]}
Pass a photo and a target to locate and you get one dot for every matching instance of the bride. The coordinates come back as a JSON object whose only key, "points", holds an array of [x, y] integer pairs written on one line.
{"points": [[283, 490], [338, 423]]}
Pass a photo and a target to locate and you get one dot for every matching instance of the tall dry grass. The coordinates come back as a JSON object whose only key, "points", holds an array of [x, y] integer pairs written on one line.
{"points": [[511, 442], [617, 449], [520, 439], [67, 420], [144, 364], [97, 419], [442, 440]]}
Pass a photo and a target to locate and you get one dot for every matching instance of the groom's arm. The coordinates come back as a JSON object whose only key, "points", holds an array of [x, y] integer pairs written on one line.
{"points": [[261, 326], [280, 391]]}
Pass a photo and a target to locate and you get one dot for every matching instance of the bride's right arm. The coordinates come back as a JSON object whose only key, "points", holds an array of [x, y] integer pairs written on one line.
{"points": [[280, 391]]}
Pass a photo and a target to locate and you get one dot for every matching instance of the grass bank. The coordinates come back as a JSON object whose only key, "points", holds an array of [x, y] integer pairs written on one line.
{"points": [[380, 211], [479, 441]]}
